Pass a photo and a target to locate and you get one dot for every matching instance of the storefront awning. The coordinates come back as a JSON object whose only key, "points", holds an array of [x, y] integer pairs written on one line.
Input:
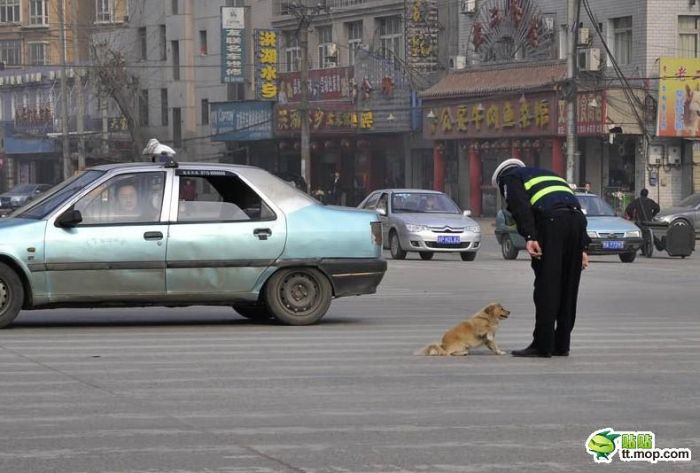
{"points": [[620, 112], [501, 78]]}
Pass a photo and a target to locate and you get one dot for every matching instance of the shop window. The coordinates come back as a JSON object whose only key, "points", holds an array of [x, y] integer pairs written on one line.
{"points": [[622, 39]]}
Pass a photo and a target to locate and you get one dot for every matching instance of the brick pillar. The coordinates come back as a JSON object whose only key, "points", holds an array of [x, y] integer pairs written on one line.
{"points": [[474, 180], [438, 166], [558, 163]]}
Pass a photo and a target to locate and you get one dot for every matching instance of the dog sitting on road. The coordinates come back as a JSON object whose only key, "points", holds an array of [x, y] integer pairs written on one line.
{"points": [[471, 333]]}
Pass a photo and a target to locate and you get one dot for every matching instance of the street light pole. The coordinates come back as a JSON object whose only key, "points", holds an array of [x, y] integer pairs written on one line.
{"points": [[80, 125], [64, 93], [304, 105], [571, 139]]}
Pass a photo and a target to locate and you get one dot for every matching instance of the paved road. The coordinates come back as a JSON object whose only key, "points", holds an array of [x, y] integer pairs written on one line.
{"points": [[201, 390]]}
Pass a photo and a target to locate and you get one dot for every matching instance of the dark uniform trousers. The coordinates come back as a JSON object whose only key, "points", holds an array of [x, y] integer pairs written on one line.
{"points": [[557, 275]]}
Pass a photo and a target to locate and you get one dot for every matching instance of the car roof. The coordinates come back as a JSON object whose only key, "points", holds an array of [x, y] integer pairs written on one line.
{"points": [[402, 190], [159, 165]]}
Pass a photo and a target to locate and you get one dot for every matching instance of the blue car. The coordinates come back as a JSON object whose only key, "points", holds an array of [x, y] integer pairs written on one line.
{"points": [[610, 234], [172, 234]]}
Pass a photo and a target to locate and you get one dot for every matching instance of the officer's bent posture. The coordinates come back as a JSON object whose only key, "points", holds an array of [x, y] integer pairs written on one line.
{"points": [[549, 217]]}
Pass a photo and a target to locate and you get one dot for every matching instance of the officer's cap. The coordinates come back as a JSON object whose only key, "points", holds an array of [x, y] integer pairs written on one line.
{"points": [[507, 164]]}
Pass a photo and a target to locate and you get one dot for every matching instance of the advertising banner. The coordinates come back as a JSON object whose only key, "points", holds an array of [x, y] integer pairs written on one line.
{"points": [[241, 121], [232, 44], [679, 97]]}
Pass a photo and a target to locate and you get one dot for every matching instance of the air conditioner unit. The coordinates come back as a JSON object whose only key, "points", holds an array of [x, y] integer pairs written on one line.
{"points": [[674, 155], [457, 63], [468, 6], [37, 77], [70, 73], [18, 79], [655, 154], [584, 37], [589, 59], [52, 75]]}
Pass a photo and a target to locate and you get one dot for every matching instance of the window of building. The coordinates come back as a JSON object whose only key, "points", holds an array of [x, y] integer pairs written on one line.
{"points": [[143, 43], [689, 35], [38, 54], [163, 43], [622, 39], [292, 51], [11, 52], [38, 12], [354, 40], [143, 108], [164, 107], [205, 111], [104, 11], [326, 50], [203, 47], [176, 59], [9, 11], [175, 5], [390, 36], [177, 127]]}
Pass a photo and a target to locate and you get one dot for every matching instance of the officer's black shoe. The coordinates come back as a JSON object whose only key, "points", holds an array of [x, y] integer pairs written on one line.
{"points": [[531, 352], [560, 353]]}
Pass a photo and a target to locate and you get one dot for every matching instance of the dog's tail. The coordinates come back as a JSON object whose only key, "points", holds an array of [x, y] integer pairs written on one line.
{"points": [[434, 349]]}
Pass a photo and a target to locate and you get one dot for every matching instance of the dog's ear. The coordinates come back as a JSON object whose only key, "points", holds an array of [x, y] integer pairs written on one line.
{"points": [[491, 309]]}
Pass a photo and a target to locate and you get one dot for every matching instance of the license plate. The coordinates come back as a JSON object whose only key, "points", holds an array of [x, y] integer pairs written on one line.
{"points": [[449, 240], [613, 245]]}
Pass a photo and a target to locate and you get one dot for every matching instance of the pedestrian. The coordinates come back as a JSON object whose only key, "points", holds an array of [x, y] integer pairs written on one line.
{"points": [[548, 215], [642, 209], [188, 190], [334, 190]]}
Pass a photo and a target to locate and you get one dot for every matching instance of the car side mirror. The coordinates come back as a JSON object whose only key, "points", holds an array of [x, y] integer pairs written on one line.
{"points": [[69, 219], [381, 211], [467, 213]]}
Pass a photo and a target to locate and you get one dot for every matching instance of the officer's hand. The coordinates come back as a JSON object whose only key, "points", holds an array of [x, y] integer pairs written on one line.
{"points": [[533, 248], [584, 260]]}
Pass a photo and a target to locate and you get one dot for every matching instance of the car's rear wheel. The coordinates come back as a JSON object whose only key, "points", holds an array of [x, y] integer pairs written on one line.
{"points": [[298, 296], [11, 295], [628, 257], [255, 312], [508, 248], [468, 255], [395, 247], [426, 255]]}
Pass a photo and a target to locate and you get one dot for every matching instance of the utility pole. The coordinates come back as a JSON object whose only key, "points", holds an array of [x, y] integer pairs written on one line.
{"points": [[571, 141], [64, 94], [80, 126], [305, 15]]}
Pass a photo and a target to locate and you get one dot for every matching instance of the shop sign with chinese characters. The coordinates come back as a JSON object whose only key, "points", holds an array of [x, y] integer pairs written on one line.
{"points": [[534, 115], [232, 44], [334, 83], [679, 97], [266, 68], [328, 120], [241, 121], [590, 114], [421, 34]]}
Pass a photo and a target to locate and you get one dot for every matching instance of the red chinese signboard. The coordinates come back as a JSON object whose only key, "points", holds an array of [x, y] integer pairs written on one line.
{"points": [[590, 114], [327, 120], [534, 115], [324, 84]]}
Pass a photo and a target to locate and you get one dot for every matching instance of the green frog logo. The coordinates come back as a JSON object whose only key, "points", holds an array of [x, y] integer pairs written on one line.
{"points": [[602, 445]]}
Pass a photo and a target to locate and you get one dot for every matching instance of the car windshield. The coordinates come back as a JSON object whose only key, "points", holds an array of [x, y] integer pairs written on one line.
{"points": [[690, 201], [423, 202], [22, 189], [594, 206], [56, 196]]}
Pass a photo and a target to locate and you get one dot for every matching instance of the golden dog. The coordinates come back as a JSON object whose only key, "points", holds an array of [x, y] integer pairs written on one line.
{"points": [[472, 333]]}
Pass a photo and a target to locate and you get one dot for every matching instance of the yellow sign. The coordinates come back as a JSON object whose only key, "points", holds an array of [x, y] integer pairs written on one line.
{"points": [[679, 97], [266, 67]]}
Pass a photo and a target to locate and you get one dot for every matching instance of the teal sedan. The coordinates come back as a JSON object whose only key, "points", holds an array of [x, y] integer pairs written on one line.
{"points": [[170, 234], [610, 234]]}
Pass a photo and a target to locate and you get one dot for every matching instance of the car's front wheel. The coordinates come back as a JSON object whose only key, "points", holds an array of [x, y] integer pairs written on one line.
{"points": [[508, 248], [468, 255], [298, 296], [395, 246], [426, 255], [11, 295], [628, 257]]}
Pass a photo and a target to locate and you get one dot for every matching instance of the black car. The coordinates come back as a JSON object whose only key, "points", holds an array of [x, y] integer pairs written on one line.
{"points": [[21, 194]]}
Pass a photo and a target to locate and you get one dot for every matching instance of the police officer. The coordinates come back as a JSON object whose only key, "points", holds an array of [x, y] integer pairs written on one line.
{"points": [[549, 217]]}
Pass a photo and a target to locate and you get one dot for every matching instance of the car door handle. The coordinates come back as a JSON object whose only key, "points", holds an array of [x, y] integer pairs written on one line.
{"points": [[153, 236], [262, 233]]}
